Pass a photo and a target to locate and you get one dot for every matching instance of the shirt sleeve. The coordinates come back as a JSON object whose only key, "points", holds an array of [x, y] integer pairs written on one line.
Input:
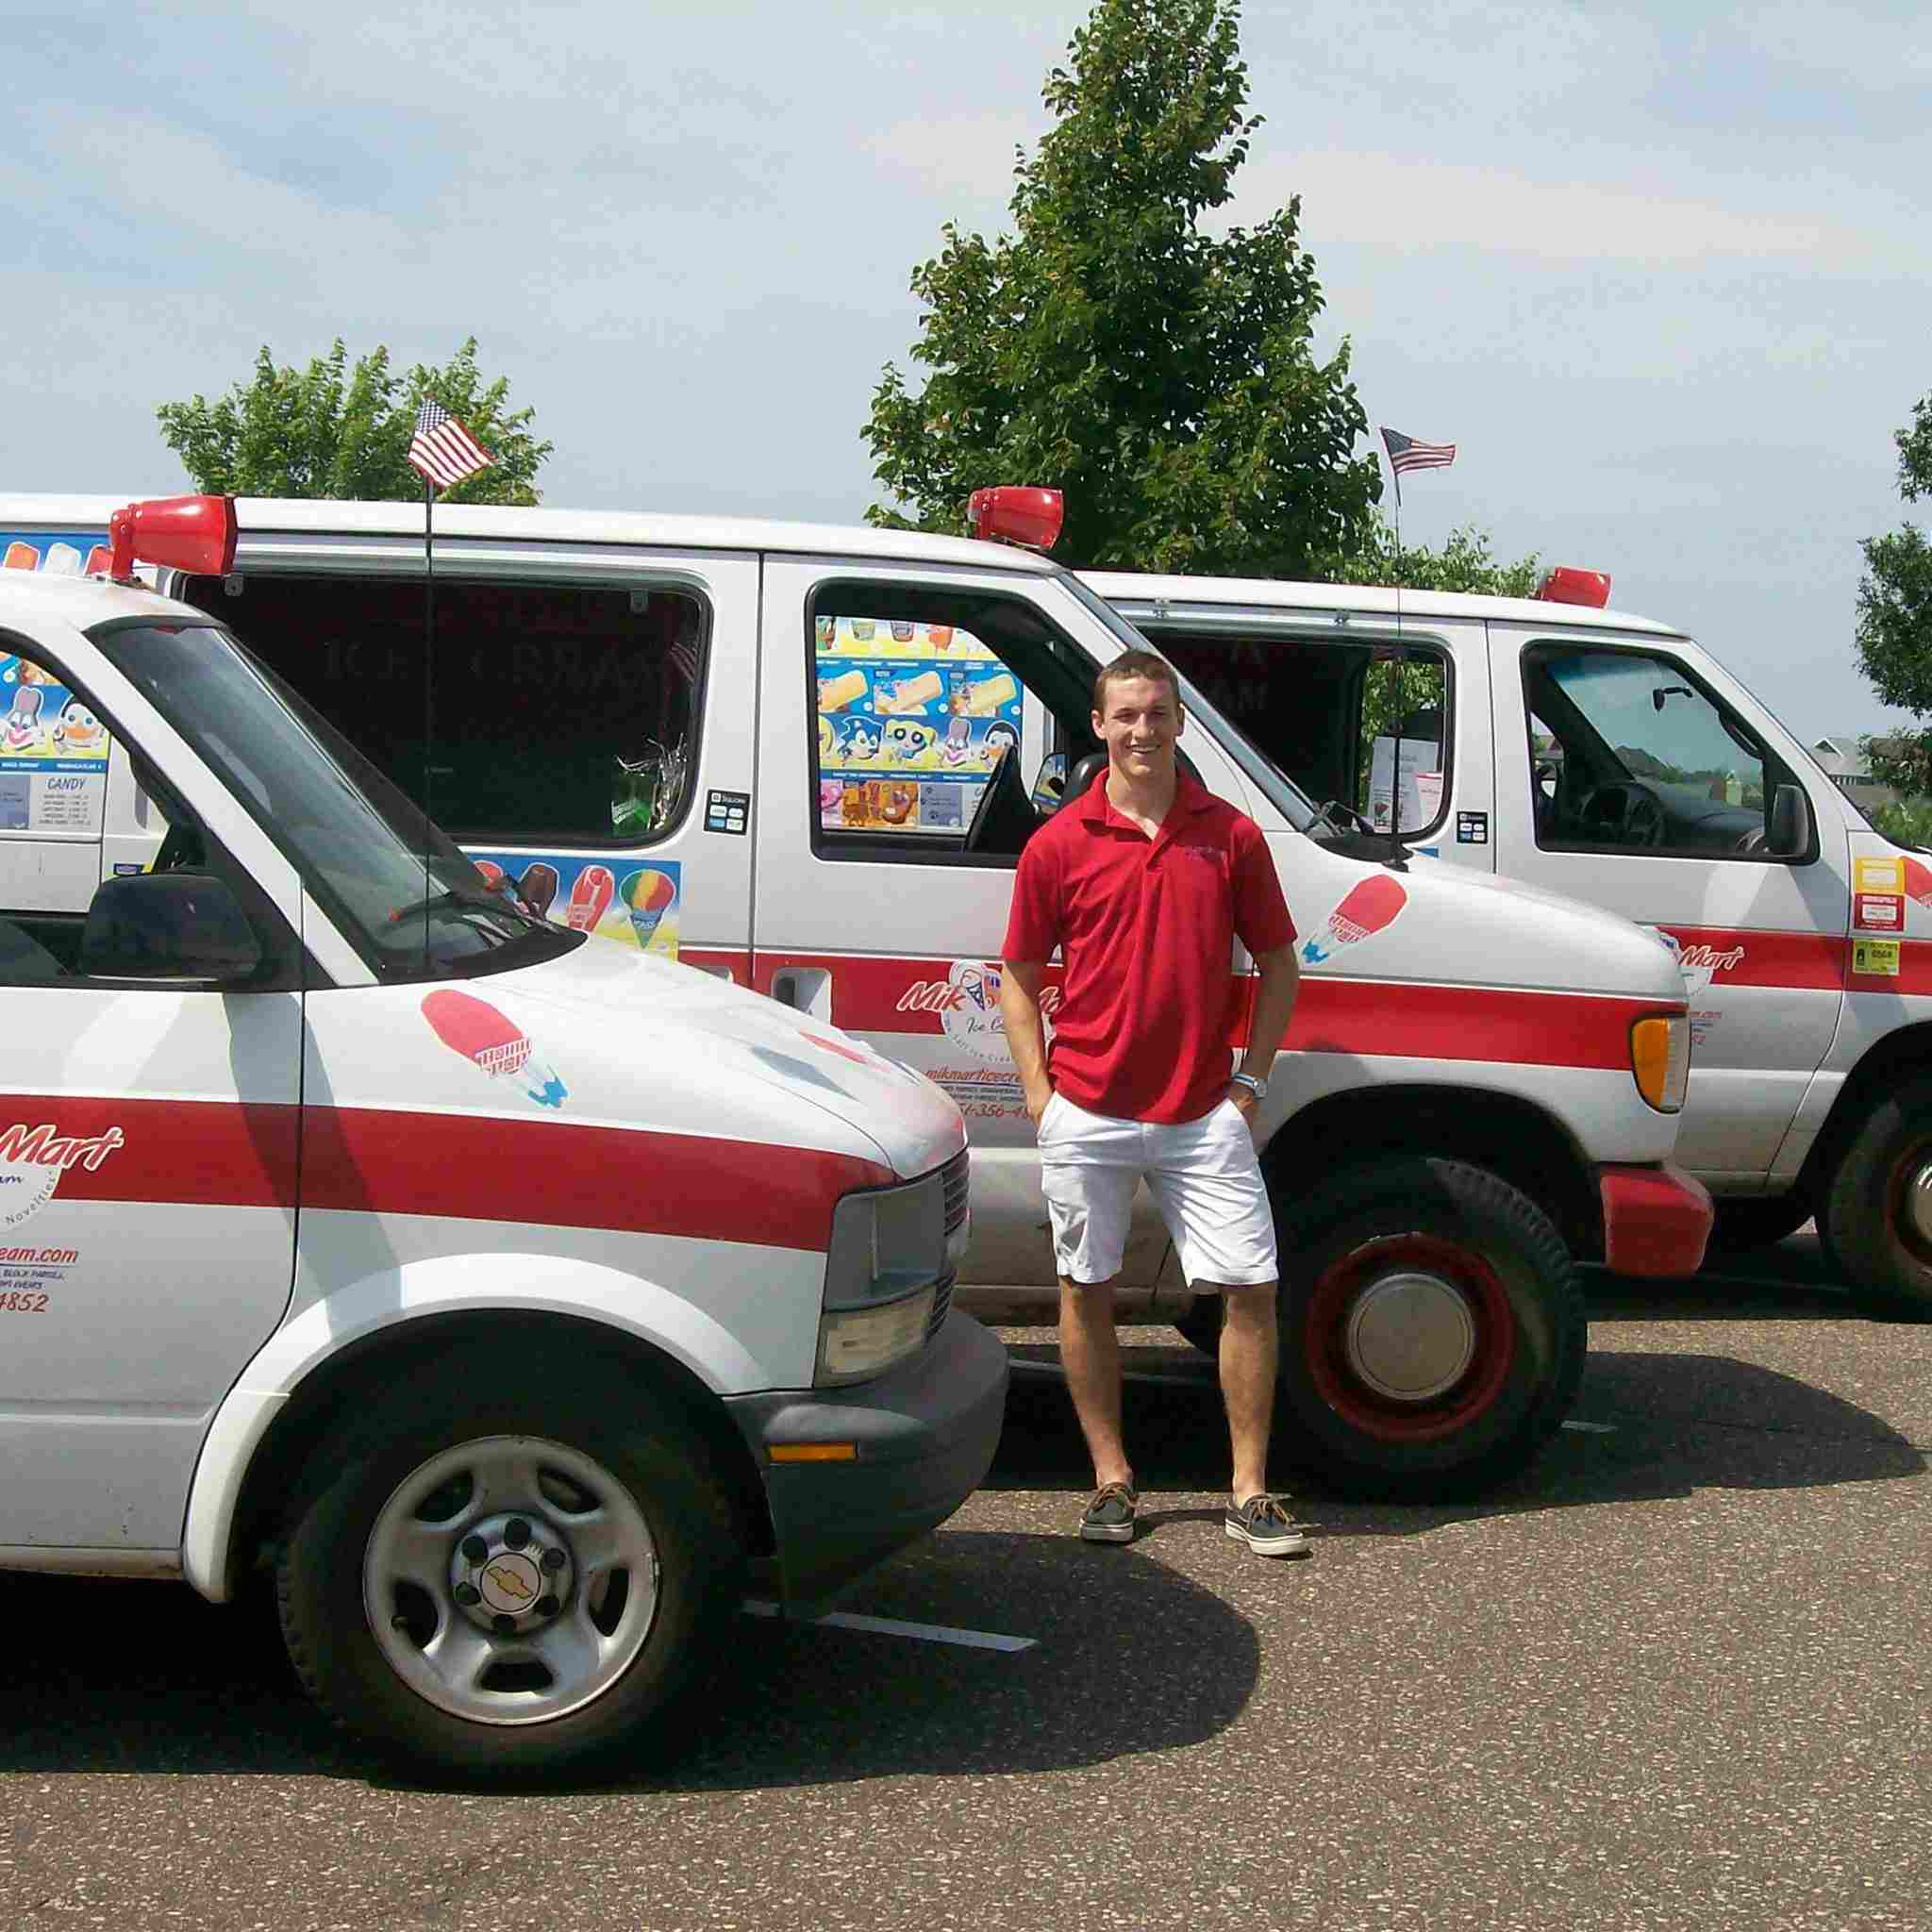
{"points": [[1033, 925], [1260, 913]]}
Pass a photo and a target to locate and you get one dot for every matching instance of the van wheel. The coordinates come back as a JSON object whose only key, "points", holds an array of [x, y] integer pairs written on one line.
{"points": [[1432, 1328], [508, 1574], [1877, 1216], [1755, 1221]]}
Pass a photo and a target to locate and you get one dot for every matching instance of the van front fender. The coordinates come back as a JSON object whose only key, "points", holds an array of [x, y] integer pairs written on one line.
{"points": [[397, 1298]]}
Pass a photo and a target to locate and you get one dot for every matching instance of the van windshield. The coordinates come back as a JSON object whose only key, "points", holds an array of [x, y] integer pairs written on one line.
{"points": [[1280, 790], [412, 904]]}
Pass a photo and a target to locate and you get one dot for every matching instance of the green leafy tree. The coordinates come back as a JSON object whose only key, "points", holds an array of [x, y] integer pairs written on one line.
{"points": [[1463, 563], [1164, 378], [329, 430], [1894, 633]]}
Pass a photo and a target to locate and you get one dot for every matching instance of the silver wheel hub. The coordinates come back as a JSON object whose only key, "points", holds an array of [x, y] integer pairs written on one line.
{"points": [[510, 1580], [1411, 1336], [1917, 1204], [510, 1572]]}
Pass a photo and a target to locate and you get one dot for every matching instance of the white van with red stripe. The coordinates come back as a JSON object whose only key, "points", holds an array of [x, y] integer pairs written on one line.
{"points": [[806, 758], [1590, 752], [516, 1293]]}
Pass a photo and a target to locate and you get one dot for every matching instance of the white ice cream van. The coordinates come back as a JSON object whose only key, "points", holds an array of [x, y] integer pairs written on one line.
{"points": [[1590, 752], [805, 759], [515, 1292]]}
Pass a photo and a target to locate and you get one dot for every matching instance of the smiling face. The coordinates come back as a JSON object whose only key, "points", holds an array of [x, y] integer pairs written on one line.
{"points": [[1139, 727]]}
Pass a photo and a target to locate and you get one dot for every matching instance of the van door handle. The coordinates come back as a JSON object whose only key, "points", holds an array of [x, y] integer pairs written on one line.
{"points": [[806, 989]]}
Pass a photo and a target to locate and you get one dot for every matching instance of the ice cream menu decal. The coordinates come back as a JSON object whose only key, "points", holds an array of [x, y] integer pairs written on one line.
{"points": [[53, 756], [912, 719]]}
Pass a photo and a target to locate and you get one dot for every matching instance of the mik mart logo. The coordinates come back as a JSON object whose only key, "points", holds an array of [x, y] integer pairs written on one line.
{"points": [[32, 1160], [968, 1004]]}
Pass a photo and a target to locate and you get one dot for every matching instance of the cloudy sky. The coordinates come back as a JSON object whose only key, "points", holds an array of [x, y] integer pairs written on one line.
{"points": [[1659, 271]]}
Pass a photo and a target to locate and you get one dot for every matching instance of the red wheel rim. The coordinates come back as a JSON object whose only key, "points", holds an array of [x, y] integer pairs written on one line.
{"points": [[1456, 1272], [1901, 1223]]}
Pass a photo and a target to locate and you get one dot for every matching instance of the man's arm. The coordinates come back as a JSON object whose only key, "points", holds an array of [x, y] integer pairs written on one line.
{"points": [[1281, 977], [1020, 983]]}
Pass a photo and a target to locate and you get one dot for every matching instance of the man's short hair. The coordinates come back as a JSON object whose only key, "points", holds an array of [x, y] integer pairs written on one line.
{"points": [[1130, 664]]}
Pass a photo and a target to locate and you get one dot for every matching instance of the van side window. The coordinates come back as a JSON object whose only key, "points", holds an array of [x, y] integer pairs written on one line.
{"points": [[922, 743], [1629, 752], [568, 713], [1328, 712], [62, 922]]}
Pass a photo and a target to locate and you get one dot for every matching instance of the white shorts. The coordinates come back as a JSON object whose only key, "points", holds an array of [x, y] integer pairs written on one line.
{"points": [[1204, 1176]]}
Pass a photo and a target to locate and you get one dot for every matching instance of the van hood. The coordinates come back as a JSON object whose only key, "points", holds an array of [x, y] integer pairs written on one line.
{"points": [[687, 1050], [1441, 923]]}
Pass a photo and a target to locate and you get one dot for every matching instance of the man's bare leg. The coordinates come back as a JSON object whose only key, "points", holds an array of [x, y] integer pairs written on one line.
{"points": [[1090, 1355], [1249, 1349]]}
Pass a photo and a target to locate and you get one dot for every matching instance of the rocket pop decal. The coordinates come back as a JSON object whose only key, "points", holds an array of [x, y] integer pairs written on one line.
{"points": [[647, 894], [1918, 882], [590, 898], [494, 1041], [1365, 912]]}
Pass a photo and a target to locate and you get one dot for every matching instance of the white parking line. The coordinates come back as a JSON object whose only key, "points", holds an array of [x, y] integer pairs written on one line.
{"points": [[892, 1626]]}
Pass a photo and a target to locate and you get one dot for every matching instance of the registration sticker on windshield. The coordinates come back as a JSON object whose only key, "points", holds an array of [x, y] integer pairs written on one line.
{"points": [[1876, 958]]}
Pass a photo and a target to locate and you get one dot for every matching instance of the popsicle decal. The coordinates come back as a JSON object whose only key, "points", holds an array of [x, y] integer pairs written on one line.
{"points": [[1367, 908], [492, 1042], [590, 898]]}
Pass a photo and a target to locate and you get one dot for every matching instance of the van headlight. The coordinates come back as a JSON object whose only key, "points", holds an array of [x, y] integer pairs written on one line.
{"points": [[1660, 1059], [885, 1265]]}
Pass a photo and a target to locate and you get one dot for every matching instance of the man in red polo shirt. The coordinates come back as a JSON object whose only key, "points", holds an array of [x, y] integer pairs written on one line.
{"points": [[1142, 885]]}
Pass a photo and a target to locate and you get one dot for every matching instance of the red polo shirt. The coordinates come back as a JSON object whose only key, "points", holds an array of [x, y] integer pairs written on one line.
{"points": [[1145, 929]]}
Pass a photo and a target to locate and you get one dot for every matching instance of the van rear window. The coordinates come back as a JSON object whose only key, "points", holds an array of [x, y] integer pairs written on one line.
{"points": [[567, 712]]}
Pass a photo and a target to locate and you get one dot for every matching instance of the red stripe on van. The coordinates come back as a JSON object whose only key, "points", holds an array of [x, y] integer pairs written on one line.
{"points": [[1801, 960], [554, 1173], [546, 1172], [215, 1153], [1398, 1019]]}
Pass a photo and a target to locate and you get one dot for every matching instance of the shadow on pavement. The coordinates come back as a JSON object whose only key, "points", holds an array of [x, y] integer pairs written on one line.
{"points": [[147, 1678], [1662, 1425]]}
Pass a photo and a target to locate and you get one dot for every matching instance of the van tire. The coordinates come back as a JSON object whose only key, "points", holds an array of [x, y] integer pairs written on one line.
{"points": [[1867, 1219], [609, 1468], [1456, 1256], [1756, 1221]]}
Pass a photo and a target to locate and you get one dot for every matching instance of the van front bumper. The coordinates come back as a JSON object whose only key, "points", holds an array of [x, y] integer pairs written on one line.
{"points": [[925, 1435], [1657, 1220]]}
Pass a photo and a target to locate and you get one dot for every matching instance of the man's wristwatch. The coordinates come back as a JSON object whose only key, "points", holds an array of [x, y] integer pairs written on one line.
{"points": [[1253, 1082]]}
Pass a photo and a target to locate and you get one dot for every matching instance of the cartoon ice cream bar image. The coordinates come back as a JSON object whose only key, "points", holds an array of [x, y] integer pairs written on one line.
{"points": [[861, 740], [902, 630], [959, 745], [897, 802], [647, 895], [863, 628], [23, 721], [537, 887], [493, 1042], [98, 560], [22, 556], [1365, 912], [909, 741], [1918, 882], [835, 693], [987, 694], [78, 731], [828, 740], [827, 631], [1000, 739], [492, 873], [590, 898], [63, 559], [940, 636]]}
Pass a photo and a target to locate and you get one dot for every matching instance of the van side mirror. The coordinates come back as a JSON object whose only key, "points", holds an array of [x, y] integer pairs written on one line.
{"points": [[167, 925], [1789, 835]]}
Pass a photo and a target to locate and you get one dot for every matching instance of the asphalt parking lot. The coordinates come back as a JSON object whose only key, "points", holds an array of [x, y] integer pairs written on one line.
{"points": [[1677, 1675]]}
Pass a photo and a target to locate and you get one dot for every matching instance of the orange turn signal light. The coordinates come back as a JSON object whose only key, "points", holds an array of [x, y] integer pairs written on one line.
{"points": [[813, 1452]]}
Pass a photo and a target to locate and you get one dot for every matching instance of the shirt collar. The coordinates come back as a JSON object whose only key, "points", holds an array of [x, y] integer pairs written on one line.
{"points": [[1190, 800]]}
